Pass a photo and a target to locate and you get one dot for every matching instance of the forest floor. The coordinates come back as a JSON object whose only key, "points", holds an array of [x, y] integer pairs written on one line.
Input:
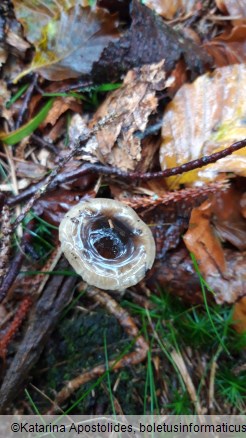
{"points": [[143, 103]]}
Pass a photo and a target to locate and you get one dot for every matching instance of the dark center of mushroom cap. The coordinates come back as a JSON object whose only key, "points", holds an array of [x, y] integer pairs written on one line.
{"points": [[107, 243], [110, 237]]}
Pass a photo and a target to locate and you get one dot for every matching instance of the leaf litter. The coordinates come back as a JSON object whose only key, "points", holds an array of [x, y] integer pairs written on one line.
{"points": [[201, 211]]}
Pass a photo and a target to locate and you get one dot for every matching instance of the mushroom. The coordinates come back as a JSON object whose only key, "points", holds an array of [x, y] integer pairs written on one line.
{"points": [[107, 243]]}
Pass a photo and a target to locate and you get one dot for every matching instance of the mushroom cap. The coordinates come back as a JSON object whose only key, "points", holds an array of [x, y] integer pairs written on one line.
{"points": [[107, 243]]}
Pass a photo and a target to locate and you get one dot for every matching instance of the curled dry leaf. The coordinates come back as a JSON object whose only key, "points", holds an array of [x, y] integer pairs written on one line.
{"points": [[228, 48], [169, 9], [232, 284], [204, 117], [36, 15], [176, 274], [201, 240], [224, 270], [239, 315], [59, 107], [235, 8], [53, 208], [227, 217], [30, 170], [243, 205], [68, 39], [117, 142]]}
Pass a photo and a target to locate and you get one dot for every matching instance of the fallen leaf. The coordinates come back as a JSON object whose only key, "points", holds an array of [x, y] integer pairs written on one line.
{"points": [[60, 106], [243, 205], [227, 218], [235, 8], [201, 240], [228, 48], [204, 117], [169, 9], [35, 15], [230, 286], [69, 40], [53, 208], [239, 315], [94, 49], [127, 109], [176, 274], [231, 164], [30, 170], [223, 269]]}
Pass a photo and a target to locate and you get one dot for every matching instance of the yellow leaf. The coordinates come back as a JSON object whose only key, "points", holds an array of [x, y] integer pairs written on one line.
{"points": [[205, 117], [68, 38]]}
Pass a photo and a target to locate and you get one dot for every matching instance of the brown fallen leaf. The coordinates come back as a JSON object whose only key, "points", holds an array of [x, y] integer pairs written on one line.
{"points": [[239, 315], [204, 117], [95, 50], [243, 205], [227, 218], [224, 270], [176, 274], [169, 9], [35, 16], [230, 286], [235, 8], [228, 48], [201, 240], [30, 170], [59, 107], [117, 142], [68, 38]]}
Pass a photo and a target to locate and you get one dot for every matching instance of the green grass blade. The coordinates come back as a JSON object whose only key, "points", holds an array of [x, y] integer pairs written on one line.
{"points": [[16, 96], [203, 284], [27, 129]]}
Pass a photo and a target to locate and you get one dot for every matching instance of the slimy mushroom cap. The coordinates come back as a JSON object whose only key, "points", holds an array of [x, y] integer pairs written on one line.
{"points": [[107, 243]]}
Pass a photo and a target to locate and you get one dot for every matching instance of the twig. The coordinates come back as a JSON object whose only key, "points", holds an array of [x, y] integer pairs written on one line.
{"points": [[45, 144], [15, 264], [54, 179], [80, 84], [188, 193], [26, 101], [180, 363], [15, 325], [5, 241], [137, 356], [14, 184], [211, 386]]}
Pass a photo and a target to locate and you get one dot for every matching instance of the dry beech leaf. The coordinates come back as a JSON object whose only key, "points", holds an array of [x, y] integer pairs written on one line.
{"points": [[227, 218], [235, 8], [204, 117], [176, 274], [224, 270], [239, 315], [168, 9], [243, 205], [228, 48], [60, 106], [116, 143], [35, 15], [232, 284], [70, 39], [30, 170], [201, 240]]}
